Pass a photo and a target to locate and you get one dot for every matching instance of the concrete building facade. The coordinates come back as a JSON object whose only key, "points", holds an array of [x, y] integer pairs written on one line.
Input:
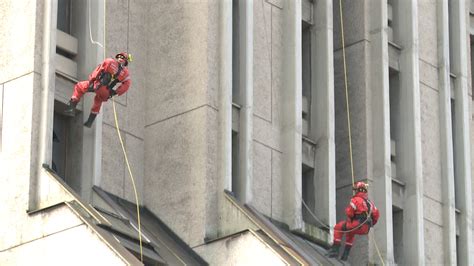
{"points": [[239, 104]]}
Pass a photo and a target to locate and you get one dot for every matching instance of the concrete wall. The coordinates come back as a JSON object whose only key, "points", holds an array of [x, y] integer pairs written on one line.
{"points": [[124, 18], [268, 86], [181, 117], [55, 238], [242, 249], [430, 130]]}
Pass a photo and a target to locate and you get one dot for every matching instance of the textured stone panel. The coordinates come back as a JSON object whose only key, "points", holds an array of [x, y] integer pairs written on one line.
{"points": [[113, 163], [357, 84], [430, 142], [124, 117], [243, 249], [117, 27], [433, 211], [262, 178], [178, 46], [20, 39], [52, 250], [354, 22], [178, 179], [428, 74], [434, 251], [277, 64], [136, 158], [277, 187], [266, 133], [427, 33], [262, 61]]}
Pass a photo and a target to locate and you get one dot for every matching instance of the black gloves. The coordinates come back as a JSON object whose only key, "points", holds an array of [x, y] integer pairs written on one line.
{"points": [[112, 93], [369, 222]]}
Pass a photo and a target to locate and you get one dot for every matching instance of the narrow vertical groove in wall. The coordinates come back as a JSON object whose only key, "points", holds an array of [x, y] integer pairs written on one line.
{"points": [[410, 138], [449, 218], [379, 99], [462, 164], [292, 118]]}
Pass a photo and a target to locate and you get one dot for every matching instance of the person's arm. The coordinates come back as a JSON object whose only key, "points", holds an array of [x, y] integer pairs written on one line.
{"points": [[125, 85], [350, 209], [99, 69]]}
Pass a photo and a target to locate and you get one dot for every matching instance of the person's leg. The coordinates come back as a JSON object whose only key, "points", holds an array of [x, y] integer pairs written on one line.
{"points": [[79, 89], [94, 111], [334, 251], [350, 238]]}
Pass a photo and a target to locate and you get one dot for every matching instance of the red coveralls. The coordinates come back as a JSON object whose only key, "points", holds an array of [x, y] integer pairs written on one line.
{"points": [[355, 216], [102, 93]]}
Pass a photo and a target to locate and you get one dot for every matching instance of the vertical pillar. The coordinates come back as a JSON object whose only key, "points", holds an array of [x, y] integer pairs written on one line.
{"points": [[322, 110], [379, 115], [410, 138], [246, 96], [45, 125], [462, 142], [447, 167], [291, 122], [224, 173], [92, 55]]}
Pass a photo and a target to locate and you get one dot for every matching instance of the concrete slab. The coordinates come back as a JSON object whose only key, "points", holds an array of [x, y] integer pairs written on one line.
{"points": [[262, 182], [430, 142], [262, 81]]}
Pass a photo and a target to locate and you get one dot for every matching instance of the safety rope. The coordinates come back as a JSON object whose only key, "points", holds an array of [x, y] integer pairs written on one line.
{"points": [[117, 125], [349, 114], [131, 177], [347, 92]]}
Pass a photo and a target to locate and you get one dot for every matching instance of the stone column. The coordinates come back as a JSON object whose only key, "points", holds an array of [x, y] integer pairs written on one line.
{"points": [[410, 162], [447, 167], [322, 110], [291, 117], [379, 116], [462, 142], [246, 96]]}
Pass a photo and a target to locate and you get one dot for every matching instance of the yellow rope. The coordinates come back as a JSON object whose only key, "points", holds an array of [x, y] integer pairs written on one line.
{"points": [[377, 248], [131, 177], [117, 125], [347, 92], [348, 112]]}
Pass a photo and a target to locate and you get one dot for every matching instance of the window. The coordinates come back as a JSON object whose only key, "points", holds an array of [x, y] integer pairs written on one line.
{"points": [[67, 147], [66, 43], [64, 16], [308, 194], [235, 52], [394, 90], [306, 77], [397, 218], [392, 21], [471, 39], [236, 183]]}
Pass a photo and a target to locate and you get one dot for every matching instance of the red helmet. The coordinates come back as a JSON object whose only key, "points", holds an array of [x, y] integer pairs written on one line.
{"points": [[361, 186], [126, 56]]}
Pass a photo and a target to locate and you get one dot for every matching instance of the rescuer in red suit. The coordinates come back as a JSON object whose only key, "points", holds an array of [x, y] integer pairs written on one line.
{"points": [[102, 81], [361, 215]]}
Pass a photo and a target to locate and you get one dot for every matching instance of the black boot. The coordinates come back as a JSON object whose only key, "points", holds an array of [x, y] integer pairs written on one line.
{"points": [[334, 251], [345, 253], [71, 108], [90, 120]]}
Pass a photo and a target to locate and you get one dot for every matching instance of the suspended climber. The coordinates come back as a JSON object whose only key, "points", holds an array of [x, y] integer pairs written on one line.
{"points": [[361, 216], [102, 82]]}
